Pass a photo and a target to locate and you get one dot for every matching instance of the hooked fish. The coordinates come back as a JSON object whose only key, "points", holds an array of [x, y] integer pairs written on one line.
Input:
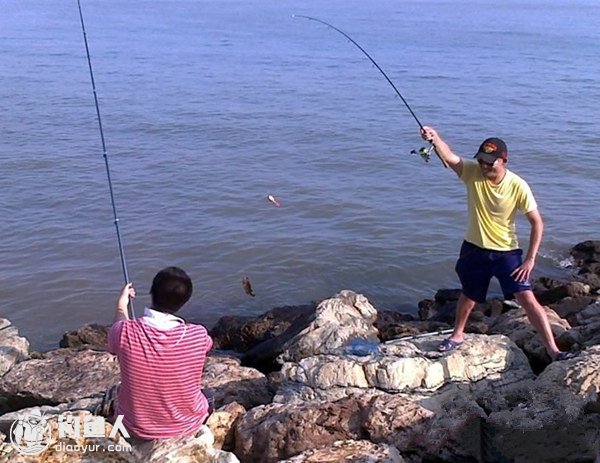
{"points": [[273, 200], [247, 286]]}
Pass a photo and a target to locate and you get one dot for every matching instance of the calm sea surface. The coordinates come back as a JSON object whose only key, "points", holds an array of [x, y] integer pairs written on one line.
{"points": [[209, 106]]}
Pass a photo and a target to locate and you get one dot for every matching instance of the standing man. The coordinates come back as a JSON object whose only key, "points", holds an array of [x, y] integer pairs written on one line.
{"points": [[490, 248]]}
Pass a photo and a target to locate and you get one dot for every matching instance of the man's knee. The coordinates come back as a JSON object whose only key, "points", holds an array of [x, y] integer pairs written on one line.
{"points": [[465, 302], [527, 300]]}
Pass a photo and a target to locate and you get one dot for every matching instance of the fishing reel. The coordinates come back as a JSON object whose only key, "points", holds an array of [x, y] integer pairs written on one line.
{"points": [[424, 152]]}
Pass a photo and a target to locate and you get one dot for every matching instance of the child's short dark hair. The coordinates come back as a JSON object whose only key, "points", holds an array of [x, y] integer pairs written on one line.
{"points": [[171, 289]]}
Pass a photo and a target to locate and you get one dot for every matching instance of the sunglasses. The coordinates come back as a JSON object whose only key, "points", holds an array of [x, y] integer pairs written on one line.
{"points": [[488, 164]]}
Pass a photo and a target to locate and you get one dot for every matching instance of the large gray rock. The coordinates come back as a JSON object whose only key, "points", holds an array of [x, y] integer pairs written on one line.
{"points": [[226, 381], [444, 426], [61, 375], [336, 321], [587, 331], [578, 378], [242, 334], [586, 253], [409, 395], [294, 393], [274, 432], [92, 336], [517, 327], [412, 365], [13, 348], [89, 404], [221, 422], [566, 289], [569, 307], [556, 417], [68, 448], [193, 449]]}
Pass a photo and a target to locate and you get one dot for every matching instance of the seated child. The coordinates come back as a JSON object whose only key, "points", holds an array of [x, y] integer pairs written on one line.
{"points": [[162, 358]]}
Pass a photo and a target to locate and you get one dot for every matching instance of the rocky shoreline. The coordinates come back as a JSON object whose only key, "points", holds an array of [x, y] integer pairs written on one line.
{"points": [[288, 386]]}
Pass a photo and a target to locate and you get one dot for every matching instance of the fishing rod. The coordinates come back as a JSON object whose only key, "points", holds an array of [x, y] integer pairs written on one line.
{"points": [[419, 336], [105, 155], [423, 152]]}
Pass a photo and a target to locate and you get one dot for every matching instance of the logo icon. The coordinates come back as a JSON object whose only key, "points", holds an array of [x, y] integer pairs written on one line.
{"points": [[30, 434], [489, 148]]}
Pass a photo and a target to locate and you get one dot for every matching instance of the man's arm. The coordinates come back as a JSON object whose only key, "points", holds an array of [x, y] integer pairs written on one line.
{"points": [[122, 312], [523, 272], [442, 149]]}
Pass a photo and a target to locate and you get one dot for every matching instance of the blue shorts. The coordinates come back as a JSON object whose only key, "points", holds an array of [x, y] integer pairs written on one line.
{"points": [[476, 267]]}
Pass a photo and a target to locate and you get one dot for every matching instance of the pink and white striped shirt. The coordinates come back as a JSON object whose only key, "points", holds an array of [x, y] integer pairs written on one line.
{"points": [[161, 359]]}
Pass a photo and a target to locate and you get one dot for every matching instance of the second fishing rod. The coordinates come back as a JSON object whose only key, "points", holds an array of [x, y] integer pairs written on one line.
{"points": [[423, 152]]}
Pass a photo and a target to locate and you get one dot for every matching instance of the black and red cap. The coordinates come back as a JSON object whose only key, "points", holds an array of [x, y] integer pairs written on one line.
{"points": [[492, 149]]}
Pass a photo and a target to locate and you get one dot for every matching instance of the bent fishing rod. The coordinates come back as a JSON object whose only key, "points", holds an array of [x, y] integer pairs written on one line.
{"points": [[423, 152], [105, 155]]}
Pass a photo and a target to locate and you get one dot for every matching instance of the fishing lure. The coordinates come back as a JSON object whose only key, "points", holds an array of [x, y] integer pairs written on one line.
{"points": [[424, 152], [247, 286], [272, 199]]}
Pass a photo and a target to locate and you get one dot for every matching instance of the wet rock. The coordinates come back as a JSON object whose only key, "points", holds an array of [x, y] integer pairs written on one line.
{"points": [[593, 268], [264, 356], [427, 309], [588, 315], [590, 279], [442, 313], [569, 306], [570, 289], [61, 375], [442, 296], [13, 348], [227, 333], [93, 336], [545, 283], [442, 308], [387, 320], [586, 252], [492, 308], [241, 334]]}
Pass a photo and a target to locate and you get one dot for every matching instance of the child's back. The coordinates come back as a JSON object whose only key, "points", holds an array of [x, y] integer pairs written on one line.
{"points": [[161, 359]]}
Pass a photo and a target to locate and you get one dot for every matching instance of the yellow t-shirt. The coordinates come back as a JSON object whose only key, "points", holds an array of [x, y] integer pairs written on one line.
{"points": [[492, 208]]}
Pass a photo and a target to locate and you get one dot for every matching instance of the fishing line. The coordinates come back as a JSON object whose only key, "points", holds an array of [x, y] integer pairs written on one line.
{"points": [[423, 151], [105, 155]]}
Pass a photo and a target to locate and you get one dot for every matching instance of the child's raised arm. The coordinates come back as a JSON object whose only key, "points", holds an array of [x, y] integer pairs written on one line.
{"points": [[127, 293]]}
